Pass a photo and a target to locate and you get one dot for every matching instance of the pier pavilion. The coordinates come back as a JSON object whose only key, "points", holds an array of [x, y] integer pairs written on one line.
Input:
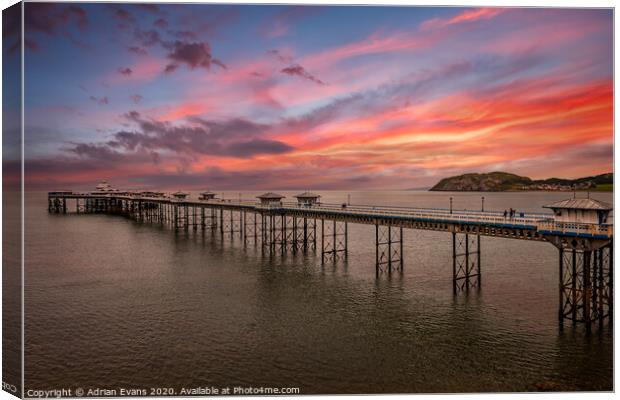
{"points": [[307, 199], [207, 195], [270, 199], [583, 211]]}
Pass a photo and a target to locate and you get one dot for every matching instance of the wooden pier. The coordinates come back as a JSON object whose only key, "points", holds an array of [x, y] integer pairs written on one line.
{"points": [[585, 249]]}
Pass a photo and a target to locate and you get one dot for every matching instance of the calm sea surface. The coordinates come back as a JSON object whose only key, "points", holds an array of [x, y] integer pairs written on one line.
{"points": [[112, 303]]}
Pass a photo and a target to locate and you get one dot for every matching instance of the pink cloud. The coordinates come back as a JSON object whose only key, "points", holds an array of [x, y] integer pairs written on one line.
{"points": [[145, 69], [464, 17]]}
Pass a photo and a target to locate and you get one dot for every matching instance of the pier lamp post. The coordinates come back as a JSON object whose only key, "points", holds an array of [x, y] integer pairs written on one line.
{"points": [[482, 203], [450, 205]]}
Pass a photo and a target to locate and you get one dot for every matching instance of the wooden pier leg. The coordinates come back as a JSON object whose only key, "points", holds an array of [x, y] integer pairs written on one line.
{"points": [[272, 233], [232, 224], [611, 283], [255, 226], [186, 212], [346, 240], [294, 236], [467, 266], [222, 222], [377, 249], [402, 255], [243, 230], [574, 287], [175, 210], [305, 234], [479, 263], [454, 262], [202, 219], [586, 296], [595, 310], [389, 243], [64, 205], [601, 289], [334, 243], [322, 241], [561, 291], [194, 219], [314, 235], [283, 241]]}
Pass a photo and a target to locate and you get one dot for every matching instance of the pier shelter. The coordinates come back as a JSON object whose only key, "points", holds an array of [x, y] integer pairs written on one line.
{"points": [[180, 195], [307, 199], [207, 195], [103, 187], [584, 211], [270, 199]]}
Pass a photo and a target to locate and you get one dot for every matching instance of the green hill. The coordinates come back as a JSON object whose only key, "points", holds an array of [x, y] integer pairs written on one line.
{"points": [[504, 181]]}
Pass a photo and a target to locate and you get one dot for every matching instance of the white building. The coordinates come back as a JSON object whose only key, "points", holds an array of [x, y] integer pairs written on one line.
{"points": [[307, 199], [587, 211], [270, 199]]}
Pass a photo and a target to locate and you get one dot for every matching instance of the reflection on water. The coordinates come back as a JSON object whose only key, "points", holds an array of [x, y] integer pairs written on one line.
{"points": [[112, 303]]}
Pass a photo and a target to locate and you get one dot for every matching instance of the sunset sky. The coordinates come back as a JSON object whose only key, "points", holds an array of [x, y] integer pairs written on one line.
{"points": [[303, 97]]}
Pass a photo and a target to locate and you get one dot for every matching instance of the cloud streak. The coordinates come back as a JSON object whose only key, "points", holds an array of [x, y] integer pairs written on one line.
{"points": [[298, 70]]}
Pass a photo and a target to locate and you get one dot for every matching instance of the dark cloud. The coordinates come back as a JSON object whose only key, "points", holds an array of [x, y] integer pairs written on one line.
{"points": [[236, 137], [29, 44], [298, 70], [184, 35], [97, 152], [78, 14], [257, 146], [136, 98], [285, 58], [283, 20], [170, 68], [77, 42], [160, 23], [99, 100], [152, 8], [211, 22], [123, 15], [125, 71], [149, 38], [194, 55], [50, 19], [137, 50], [11, 27]]}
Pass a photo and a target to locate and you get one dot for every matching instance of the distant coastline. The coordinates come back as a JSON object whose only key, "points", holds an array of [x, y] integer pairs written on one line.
{"points": [[507, 182]]}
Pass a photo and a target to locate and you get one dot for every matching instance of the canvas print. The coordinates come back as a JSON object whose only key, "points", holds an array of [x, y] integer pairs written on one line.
{"points": [[245, 199]]}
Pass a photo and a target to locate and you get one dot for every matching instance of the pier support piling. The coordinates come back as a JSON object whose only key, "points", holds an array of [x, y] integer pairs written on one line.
{"points": [[388, 248], [586, 284], [465, 261], [334, 240]]}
